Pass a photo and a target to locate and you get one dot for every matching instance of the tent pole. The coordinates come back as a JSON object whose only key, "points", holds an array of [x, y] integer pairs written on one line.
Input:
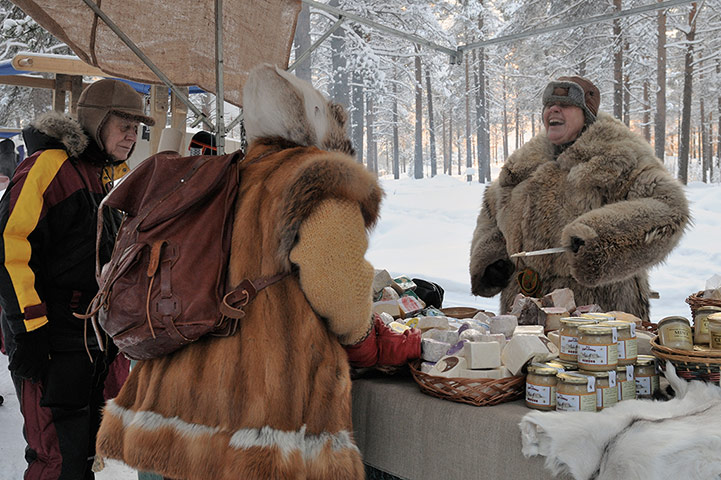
{"points": [[131, 45], [219, 92]]}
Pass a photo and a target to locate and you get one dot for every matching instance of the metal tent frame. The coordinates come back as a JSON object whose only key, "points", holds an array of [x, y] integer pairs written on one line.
{"points": [[455, 54]]}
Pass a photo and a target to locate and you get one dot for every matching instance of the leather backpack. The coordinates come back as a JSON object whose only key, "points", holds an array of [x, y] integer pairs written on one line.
{"points": [[165, 284]]}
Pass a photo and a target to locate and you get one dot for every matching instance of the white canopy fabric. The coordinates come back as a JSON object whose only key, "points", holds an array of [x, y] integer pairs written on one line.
{"points": [[178, 36]]}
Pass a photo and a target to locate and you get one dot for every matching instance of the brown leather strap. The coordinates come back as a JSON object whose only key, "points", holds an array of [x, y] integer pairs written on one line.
{"points": [[234, 301]]}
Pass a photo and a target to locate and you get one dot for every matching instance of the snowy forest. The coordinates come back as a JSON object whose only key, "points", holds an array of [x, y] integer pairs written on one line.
{"points": [[417, 110]]}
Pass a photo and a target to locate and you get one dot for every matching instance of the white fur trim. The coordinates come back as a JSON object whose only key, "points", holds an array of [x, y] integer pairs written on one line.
{"points": [[245, 438]]}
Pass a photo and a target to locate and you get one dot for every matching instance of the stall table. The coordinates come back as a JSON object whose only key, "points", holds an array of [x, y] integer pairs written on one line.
{"points": [[408, 434]]}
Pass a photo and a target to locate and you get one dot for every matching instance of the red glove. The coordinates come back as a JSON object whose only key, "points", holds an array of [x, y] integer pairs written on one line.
{"points": [[365, 352], [396, 348]]}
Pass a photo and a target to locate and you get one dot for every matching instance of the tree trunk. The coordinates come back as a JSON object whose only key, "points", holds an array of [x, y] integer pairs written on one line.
{"points": [[302, 43], [718, 130], [445, 145], [504, 127], [705, 144], [469, 148], [358, 115], [431, 130], [418, 154], [686, 102], [396, 153], [339, 87], [370, 127], [659, 132], [484, 139], [626, 93], [450, 141], [646, 113], [518, 128], [617, 65]]}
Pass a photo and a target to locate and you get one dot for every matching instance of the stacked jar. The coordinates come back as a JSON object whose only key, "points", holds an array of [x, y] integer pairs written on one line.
{"points": [[541, 387], [626, 382], [597, 348], [646, 376], [627, 342], [606, 388], [568, 337], [575, 393], [714, 329], [701, 334]]}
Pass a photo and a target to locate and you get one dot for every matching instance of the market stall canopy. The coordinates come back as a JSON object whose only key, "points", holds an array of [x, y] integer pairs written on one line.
{"points": [[178, 37]]}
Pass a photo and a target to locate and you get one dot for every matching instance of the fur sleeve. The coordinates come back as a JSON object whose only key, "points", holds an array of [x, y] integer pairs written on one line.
{"points": [[488, 248], [620, 239]]}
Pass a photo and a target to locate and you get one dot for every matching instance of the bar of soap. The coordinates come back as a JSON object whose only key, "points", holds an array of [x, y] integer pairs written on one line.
{"points": [[425, 323], [520, 349], [528, 330], [442, 335], [495, 337], [398, 327], [433, 350], [453, 366], [503, 324], [482, 354], [427, 366]]}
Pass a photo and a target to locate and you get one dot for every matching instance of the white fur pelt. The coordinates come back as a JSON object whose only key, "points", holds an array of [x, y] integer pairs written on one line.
{"points": [[635, 439]]}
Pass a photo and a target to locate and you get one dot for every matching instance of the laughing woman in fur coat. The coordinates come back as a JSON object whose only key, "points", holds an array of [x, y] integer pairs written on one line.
{"points": [[272, 401], [589, 184]]}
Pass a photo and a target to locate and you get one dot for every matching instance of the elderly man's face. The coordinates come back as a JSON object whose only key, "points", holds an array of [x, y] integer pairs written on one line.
{"points": [[119, 136], [563, 122]]}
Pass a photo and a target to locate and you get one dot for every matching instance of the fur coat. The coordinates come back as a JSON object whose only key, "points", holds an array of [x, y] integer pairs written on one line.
{"points": [[273, 400], [606, 192], [635, 439]]}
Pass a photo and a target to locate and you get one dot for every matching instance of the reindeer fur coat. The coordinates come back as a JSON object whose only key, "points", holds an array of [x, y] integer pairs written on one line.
{"points": [[608, 191], [273, 400]]}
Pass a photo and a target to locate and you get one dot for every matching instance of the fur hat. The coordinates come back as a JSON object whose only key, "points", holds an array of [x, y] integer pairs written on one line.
{"points": [[576, 91], [105, 97]]}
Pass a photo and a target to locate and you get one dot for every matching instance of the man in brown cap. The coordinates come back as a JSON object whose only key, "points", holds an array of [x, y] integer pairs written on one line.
{"points": [[47, 273], [586, 183]]}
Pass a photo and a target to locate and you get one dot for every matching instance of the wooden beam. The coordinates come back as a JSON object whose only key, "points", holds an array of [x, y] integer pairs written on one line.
{"points": [[59, 93], [76, 88], [179, 110], [25, 81], [159, 112], [32, 62]]}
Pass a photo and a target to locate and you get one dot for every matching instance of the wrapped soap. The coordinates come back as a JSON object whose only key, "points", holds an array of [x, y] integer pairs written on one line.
{"points": [[482, 354], [404, 283], [381, 279], [398, 327], [433, 350], [520, 349], [410, 304], [386, 317], [504, 324]]}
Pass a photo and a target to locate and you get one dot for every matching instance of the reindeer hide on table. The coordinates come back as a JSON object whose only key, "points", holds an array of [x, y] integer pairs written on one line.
{"points": [[635, 439]]}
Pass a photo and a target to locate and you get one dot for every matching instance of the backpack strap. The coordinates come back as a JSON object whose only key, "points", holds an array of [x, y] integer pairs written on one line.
{"points": [[234, 301]]}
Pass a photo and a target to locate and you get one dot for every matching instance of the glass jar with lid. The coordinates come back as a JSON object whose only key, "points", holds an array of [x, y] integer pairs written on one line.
{"points": [[701, 334], [575, 393], [541, 387], [627, 341], [568, 334], [714, 329], [626, 382], [675, 332], [598, 316], [606, 388], [646, 376], [563, 365], [597, 348]]}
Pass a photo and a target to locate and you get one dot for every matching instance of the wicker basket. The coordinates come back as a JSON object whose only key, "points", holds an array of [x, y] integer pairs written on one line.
{"points": [[480, 392], [690, 364], [696, 301]]}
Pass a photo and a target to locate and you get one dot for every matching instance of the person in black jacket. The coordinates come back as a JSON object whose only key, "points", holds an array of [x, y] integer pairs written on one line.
{"points": [[47, 273]]}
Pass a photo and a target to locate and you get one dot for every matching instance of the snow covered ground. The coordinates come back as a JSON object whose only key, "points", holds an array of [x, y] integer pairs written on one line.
{"points": [[425, 231]]}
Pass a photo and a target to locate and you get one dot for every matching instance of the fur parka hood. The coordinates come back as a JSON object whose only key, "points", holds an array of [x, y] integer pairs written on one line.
{"points": [[607, 192], [55, 130]]}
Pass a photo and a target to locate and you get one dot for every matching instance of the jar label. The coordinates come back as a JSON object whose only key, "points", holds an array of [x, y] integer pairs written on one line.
{"points": [[627, 390], [715, 342], [628, 349], [606, 396], [569, 345], [540, 395], [575, 403], [646, 385], [702, 322], [602, 355]]}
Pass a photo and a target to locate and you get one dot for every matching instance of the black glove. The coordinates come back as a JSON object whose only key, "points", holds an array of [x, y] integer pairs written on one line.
{"points": [[31, 356], [576, 243], [498, 273]]}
